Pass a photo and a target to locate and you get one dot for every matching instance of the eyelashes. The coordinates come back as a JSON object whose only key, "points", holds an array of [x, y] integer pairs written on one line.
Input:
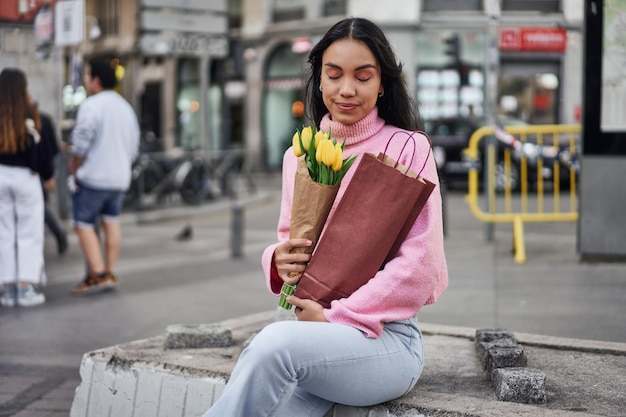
{"points": [[336, 77]]}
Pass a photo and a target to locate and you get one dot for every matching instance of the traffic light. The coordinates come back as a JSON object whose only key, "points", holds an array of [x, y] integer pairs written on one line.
{"points": [[453, 47], [464, 71]]}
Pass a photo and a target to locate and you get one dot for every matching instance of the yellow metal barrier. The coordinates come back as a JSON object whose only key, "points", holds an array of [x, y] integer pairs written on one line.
{"points": [[551, 149]]}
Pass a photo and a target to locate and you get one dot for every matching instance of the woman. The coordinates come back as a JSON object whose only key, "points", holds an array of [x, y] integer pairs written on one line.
{"points": [[364, 349], [24, 161]]}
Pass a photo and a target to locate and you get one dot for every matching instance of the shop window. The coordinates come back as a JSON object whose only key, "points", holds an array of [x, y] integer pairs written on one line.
{"points": [[335, 7], [234, 14], [286, 10], [452, 5], [545, 6], [531, 98], [450, 84], [107, 13], [282, 113], [188, 110]]}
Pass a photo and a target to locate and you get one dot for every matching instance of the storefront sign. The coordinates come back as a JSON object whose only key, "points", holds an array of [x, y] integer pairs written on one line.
{"points": [[207, 5], [531, 39], [69, 24], [184, 22], [44, 25], [185, 44]]}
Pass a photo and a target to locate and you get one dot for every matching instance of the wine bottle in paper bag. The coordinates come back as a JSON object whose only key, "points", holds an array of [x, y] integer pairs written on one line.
{"points": [[375, 214]]}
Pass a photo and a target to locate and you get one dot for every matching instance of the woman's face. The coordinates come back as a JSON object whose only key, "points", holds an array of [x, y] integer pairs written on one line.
{"points": [[350, 80]]}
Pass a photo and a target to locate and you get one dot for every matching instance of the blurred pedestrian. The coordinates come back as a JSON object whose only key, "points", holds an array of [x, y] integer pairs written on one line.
{"points": [[104, 143], [25, 160], [48, 134]]}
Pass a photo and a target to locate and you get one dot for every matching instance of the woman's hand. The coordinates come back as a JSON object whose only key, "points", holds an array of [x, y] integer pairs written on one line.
{"points": [[291, 265], [307, 310]]}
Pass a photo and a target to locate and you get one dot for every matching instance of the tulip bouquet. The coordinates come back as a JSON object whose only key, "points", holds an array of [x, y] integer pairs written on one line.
{"points": [[321, 167]]}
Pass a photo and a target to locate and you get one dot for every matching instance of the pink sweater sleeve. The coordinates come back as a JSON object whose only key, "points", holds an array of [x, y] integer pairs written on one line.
{"points": [[284, 220]]}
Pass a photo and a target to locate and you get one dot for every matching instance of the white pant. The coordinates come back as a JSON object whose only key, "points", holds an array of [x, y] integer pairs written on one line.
{"points": [[21, 226]]}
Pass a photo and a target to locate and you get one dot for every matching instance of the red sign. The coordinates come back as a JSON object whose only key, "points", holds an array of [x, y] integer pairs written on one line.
{"points": [[532, 39], [21, 11]]}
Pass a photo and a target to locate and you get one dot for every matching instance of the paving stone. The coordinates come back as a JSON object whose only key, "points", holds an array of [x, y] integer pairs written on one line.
{"points": [[520, 385], [504, 357], [483, 348], [185, 336]]}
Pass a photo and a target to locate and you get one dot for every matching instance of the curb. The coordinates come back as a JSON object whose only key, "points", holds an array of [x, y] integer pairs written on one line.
{"points": [[551, 342]]}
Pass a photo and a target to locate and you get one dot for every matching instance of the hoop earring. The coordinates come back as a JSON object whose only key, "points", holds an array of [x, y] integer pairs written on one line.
{"points": [[382, 93], [320, 87]]}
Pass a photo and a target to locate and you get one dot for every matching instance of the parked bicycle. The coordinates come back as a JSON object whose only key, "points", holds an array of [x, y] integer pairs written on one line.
{"points": [[189, 176]]}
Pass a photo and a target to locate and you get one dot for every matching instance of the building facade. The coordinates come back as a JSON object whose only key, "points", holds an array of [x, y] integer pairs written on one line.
{"points": [[21, 47], [216, 74], [445, 47]]}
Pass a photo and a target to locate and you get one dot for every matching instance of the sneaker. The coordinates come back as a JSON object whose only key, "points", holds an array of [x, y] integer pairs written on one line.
{"points": [[27, 296], [95, 283], [9, 295]]}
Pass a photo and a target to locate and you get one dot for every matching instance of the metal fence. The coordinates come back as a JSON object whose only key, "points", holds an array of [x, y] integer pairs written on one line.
{"points": [[529, 175]]}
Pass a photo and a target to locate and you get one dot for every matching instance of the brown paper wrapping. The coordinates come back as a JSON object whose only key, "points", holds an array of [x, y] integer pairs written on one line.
{"points": [[312, 202]]}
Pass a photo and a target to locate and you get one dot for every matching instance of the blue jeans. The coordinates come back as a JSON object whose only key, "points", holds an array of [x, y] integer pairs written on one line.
{"points": [[88, 204], [294, 368]]}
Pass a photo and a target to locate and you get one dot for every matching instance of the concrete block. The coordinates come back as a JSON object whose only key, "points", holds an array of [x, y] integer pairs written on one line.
{"points": [[123, 400], [217, 391], [520, 385], [172, 399], [280, 314], [483, 348], [489, 335], [185, 336], [79, 405], [504, 357], [201, 395], [148, 394], [101, 394], [345, 411]]}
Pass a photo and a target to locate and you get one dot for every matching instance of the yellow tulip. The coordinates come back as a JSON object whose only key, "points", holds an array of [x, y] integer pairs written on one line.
{"points": [[325, 152], [296, 145], [318, 154], [338, 158], [307, 135], [320, 136]]}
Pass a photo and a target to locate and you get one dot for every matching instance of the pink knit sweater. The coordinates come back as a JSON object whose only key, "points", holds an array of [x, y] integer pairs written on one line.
{"points": [[418, 274]]}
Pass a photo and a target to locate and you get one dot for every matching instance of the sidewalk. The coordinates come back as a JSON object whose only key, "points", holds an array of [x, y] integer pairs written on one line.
{"points": [[582, 378], [568, 316], [487, 289]]}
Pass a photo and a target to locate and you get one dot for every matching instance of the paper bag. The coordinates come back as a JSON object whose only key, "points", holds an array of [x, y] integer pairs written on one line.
{"points": [[372, 219]]}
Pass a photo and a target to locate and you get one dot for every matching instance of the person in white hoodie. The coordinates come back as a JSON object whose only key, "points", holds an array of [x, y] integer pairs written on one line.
{"points": [[104, 144]]}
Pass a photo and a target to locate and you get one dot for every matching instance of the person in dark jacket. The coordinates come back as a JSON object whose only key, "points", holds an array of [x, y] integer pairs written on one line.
{"points": [[25, 160], [49, 136]]}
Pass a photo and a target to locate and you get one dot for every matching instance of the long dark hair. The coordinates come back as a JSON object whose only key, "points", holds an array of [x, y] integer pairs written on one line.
{"points": [[396, 106], [15, 108]]}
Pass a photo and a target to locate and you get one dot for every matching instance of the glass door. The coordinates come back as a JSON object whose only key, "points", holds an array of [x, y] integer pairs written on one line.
{"points": [[529, 91]]}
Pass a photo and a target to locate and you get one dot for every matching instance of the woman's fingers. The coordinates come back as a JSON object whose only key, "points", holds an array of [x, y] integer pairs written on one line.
{"points": [[289, 264]]}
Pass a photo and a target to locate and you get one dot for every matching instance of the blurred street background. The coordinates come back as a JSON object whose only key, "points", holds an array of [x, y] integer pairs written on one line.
{"points": [[164, 280], [218, 89]]}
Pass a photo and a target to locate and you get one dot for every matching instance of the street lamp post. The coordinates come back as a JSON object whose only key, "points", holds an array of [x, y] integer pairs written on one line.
{"points": [[491, 94]]}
